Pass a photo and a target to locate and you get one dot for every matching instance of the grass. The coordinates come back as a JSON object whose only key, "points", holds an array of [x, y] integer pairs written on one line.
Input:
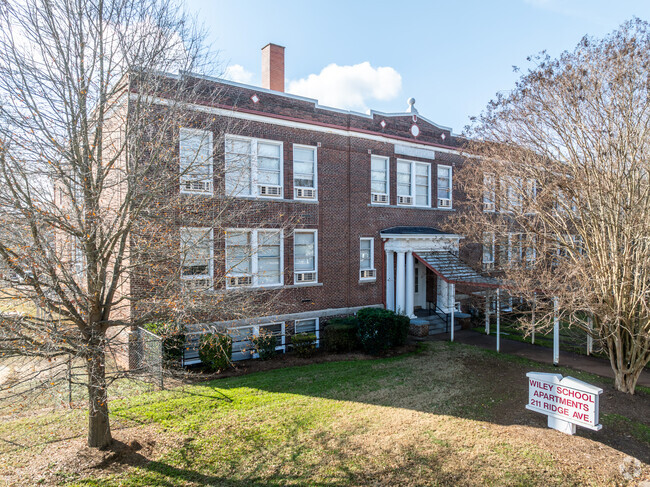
{"points": [[440, 416]]}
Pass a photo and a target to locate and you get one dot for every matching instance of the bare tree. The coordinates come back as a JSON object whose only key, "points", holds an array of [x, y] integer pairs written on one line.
{"points": [[90, 205], [559, 196]]}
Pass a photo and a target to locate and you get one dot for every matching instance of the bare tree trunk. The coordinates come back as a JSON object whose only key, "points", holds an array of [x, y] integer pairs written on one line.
{"points": [[625, 375], [99, 430]]}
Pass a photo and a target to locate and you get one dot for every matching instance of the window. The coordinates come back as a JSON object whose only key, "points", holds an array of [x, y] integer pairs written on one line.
{"points": [[511, 194], [305, 256], [444, 186], [488, 250], [367, 260], [304, 172], [197, 257], [530, 253], [413, 183], [253, 167], [379, 181], [254, 258], [195, 151], [489, 192], [307, 326], [531, 193], [242, 345]]}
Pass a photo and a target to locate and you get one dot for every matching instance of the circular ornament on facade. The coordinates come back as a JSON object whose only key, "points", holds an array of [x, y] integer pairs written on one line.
{"points": [[415, 130]]}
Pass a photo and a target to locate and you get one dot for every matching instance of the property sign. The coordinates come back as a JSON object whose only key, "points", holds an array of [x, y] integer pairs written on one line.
{"points": [[566, 401]]}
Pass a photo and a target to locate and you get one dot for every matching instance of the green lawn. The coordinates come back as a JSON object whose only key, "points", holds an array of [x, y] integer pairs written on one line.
{"points": [[447, 415]]}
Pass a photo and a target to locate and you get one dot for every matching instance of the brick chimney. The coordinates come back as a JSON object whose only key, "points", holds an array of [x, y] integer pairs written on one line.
{"points": [[273, 67]]}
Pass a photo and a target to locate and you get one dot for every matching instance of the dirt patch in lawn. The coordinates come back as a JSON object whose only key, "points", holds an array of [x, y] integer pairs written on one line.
{"points": [[69, 460]]}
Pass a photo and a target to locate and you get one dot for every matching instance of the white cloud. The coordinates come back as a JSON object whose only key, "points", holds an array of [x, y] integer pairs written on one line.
{"points": [[238, 74], [349, 87]]}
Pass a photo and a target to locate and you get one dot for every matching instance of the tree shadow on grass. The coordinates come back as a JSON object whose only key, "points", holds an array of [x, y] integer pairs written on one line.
{"points": [[451, 379]]}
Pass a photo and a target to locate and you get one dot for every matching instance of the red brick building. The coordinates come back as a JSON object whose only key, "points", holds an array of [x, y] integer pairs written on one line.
{"points": [[372, 191]]}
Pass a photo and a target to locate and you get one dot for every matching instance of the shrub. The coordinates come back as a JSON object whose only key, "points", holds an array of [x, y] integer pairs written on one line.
{"points": [[173, 341], [304, 344], [381, 329], [340, 335], [215, 351], [265, 344]]}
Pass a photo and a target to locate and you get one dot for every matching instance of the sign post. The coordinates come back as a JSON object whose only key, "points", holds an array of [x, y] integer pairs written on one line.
{"points": [[567, 402]]}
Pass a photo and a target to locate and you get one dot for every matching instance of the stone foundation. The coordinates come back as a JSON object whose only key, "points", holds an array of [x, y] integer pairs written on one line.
{"points": [[419, 329]]}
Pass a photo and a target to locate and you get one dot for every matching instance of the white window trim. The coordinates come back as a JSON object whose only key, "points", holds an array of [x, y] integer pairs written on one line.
{"points": [[317, 330], [372, 260], [315, 188], [387, 166], [451, 187], [256, 332], [315, 232], [413, 189], [254, 262], [201, 133], [489, 193], [210, 274], [253, 169], [488, 263]]}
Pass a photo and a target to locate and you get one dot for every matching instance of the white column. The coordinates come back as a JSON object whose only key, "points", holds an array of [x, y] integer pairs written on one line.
{"points": [[400, 285], [556, 333], [590, 338], [410, 284], [453, 324], [390, 280], [487, 312], [533, 318], [498, 320]]}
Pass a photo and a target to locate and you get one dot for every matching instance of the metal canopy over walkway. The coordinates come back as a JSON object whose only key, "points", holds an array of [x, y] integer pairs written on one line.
{"points": [[453, 270]]}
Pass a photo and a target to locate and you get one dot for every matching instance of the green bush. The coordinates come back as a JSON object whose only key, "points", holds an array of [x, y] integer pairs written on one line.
{"points": [[215, 351], [304, 344], [340, 335], [173, 341], [265, 344], [381, 329]]}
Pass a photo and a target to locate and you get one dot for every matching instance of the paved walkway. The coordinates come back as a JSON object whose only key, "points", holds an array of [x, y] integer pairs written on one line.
{"points": [[537, 353]]}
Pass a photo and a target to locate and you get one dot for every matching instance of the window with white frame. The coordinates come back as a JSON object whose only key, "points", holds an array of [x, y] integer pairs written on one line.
{"points": [[242, 343], [195, 151], [530, 253], [304, 172], [379, 180], [197, 254], [305, 256], [413, 183], [254, 257], [511, 194], [488, 250], [367, 259], [489, 192], [253, 167], [308, 326], [444, 186]]}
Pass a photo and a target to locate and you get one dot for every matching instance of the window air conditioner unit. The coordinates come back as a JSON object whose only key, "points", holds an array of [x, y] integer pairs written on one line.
{"points": [[305, 193], [368, 274], [488, 266], [404, 200], [379, 198], [444, 203], [488, 207], [197, 285], [274, 191], [305, 277], [197, 186], [238, 281]]}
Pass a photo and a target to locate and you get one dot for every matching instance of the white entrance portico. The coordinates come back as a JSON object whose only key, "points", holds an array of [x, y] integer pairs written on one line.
{"points": [[400, 245]]}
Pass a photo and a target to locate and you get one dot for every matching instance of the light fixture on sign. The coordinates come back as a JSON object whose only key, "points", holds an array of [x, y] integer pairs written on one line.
{"points": [[415, 130]]}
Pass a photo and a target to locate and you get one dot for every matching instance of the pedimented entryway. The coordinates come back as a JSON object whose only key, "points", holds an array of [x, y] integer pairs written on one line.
{"points": [[422, 270]]}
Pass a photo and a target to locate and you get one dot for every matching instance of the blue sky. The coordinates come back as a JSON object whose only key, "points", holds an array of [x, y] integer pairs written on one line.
{"points": [[451, 56]]}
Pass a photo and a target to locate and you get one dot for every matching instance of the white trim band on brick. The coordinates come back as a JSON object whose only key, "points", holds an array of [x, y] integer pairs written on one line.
{"points": [[253, 117]]}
